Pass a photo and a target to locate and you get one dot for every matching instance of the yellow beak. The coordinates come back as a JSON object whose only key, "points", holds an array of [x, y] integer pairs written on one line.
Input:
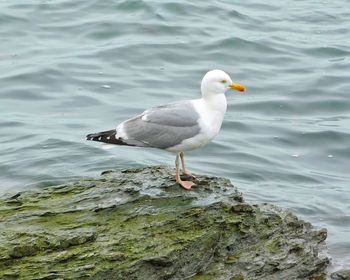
{"points": [[237, 86]]}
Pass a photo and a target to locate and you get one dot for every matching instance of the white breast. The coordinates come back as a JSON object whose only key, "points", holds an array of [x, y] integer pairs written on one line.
{"points": [[211, 112]]}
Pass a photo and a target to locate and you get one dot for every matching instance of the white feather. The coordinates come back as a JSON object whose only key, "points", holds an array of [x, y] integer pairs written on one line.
{"points": [[107, 146], [211, 112]]}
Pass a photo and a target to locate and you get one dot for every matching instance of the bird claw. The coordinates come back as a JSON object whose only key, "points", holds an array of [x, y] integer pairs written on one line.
{"points": [[186, 184]]}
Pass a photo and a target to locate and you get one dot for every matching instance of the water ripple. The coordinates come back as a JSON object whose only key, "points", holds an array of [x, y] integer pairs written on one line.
{"points": [[68, 68]]}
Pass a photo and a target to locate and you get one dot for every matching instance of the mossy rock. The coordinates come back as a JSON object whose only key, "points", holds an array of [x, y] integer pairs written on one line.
{"points": [[138, 224]]}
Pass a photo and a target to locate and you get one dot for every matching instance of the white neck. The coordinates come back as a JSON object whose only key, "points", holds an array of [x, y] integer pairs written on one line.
{"points": [[216, 102]]}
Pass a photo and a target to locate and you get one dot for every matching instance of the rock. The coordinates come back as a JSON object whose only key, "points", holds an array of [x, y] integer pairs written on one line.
{"points": [[138, 224], [343, 274]]}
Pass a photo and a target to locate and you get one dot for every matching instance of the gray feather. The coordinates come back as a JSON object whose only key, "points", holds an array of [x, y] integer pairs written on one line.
{"points": [[179, 114], [164, 126]]}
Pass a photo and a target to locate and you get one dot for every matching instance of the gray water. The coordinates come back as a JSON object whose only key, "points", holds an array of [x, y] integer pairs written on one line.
{"points": [[68, 68]]}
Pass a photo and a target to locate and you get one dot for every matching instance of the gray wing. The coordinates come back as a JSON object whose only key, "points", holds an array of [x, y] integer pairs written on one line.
{"points": [[164, 126]]}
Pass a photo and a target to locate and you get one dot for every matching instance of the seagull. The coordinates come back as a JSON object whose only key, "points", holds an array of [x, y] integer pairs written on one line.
{"points": [[177, 127]]}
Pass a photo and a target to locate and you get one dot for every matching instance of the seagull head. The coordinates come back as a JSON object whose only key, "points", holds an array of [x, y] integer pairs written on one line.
{"points": [[217, 82]]}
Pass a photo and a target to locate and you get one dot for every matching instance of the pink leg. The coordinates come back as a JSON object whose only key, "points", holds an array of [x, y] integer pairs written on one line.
{"points": [[184, 171], [185, 184]]}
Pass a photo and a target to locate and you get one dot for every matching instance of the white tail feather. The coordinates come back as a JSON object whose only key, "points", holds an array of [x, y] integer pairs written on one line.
{"points": [[107, 146]]}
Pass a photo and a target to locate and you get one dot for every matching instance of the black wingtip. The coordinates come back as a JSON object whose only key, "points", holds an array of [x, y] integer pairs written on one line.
{"points": [[103, 136], [108, 137], [89, 137]]}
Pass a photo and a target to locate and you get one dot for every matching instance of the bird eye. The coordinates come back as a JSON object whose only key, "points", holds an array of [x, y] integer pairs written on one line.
{"points": [[223, 81]]}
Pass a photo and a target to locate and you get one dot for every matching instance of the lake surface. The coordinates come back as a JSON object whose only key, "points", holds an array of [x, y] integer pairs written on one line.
{"points": [[68, 68]]}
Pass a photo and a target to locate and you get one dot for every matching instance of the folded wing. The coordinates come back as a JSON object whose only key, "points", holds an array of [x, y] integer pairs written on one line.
{"points": [[161, 127]]}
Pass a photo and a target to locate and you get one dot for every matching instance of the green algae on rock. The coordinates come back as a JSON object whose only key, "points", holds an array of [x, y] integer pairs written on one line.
{"points": [[138, 224]]}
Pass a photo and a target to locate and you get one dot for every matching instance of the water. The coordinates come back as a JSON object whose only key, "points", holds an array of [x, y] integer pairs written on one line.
{"points": [[68, 68]]}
